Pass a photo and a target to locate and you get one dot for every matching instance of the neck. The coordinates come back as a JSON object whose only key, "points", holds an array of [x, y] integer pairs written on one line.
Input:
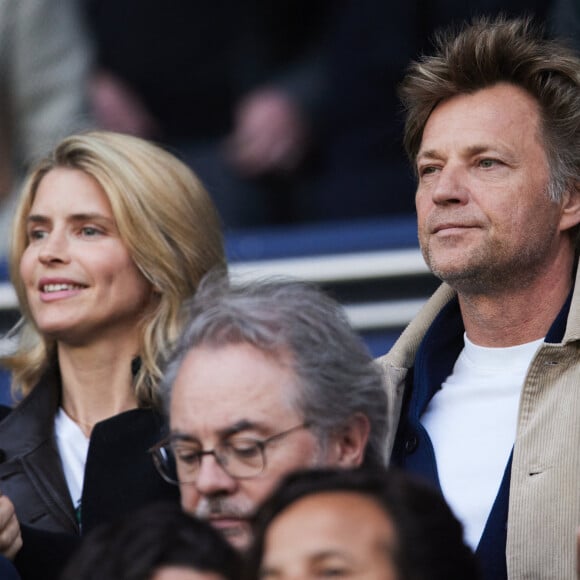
{"points": [[86, 428], [96, 383], [515, 316]]}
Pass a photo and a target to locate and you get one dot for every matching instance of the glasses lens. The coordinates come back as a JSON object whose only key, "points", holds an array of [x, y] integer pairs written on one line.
{"points": [[165, 463], [180, 461], [241, 458], [187, 460]]}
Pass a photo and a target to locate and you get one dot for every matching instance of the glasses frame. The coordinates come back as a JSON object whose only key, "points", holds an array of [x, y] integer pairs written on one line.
{"points": [[261, 444]]}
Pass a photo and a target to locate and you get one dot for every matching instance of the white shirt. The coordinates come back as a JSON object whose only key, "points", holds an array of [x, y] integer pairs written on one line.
{"points": [[73, 447], [472, 422]]}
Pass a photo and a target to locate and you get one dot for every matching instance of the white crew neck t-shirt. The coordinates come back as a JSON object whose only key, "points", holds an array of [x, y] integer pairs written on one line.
{"points": [[472, 423]]}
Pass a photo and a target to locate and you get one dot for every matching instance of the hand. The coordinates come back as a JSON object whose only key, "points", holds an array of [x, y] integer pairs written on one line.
{"points": [[10, 538], [269, 134]]}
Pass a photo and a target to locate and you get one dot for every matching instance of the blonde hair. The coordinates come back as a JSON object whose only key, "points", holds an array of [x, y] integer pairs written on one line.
{"points": [[168, 223]]}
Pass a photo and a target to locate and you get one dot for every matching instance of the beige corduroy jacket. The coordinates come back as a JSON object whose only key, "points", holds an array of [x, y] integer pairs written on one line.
{"points": [[544, 507]]}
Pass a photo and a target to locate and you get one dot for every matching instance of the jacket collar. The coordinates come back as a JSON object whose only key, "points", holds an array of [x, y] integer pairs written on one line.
{"points": [[32, 421]]}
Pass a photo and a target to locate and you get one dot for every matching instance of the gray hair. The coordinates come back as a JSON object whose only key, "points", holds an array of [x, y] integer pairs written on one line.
{"points": [[336, 374], [491, 51]]}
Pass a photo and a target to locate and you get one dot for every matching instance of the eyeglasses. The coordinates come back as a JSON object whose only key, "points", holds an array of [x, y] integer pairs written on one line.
{"points": [[178, 458]]}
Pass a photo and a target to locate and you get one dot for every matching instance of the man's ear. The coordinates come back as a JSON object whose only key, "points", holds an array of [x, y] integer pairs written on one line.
{"points": [[570, 207], [347, 446]]}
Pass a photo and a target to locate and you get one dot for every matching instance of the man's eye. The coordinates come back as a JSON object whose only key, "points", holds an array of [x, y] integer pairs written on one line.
{"points": [[244, 449], [487, 163], [185, 455], [332, 572], [427, 170]]}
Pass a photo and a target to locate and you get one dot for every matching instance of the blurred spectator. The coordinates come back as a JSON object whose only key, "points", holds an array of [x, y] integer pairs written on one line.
{"points": [[228, 84], [403, 530], [287, 111], [157, 542], [565, 20], [44, 63]]}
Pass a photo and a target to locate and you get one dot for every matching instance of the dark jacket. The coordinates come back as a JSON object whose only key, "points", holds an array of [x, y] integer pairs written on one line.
{"points": [[540, 489], [7, 570], [119, 475]]}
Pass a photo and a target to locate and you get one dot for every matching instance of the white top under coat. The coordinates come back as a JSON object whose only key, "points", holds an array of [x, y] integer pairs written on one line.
{"points": [[73, 447], [472, 425]]}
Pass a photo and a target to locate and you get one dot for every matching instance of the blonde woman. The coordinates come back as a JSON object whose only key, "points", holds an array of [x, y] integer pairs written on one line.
{"points": [[110, 236]]}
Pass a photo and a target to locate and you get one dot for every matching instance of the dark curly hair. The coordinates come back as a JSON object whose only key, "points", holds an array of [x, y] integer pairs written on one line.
{"points": [[430, 543]]}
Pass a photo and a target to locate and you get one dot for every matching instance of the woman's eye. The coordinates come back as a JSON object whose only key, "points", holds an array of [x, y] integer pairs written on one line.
{"points": [[90, 231], [36, 234]]}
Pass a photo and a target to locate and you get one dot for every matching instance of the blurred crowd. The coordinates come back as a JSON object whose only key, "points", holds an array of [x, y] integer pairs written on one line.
{"points": [[288, 111]]}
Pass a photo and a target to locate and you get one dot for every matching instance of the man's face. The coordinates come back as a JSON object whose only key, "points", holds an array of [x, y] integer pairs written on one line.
{"points": [[485, 220], [340, 534], [235, 392]]}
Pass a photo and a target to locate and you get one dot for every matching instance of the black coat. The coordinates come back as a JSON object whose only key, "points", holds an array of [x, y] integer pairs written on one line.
{"points": [[119, 476]]}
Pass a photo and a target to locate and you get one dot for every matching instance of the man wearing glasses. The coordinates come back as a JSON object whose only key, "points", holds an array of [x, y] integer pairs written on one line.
{"points": [[266, 378]]}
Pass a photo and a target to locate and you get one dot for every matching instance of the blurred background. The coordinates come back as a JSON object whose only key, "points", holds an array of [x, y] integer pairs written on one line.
{"points": [[286, 109]]}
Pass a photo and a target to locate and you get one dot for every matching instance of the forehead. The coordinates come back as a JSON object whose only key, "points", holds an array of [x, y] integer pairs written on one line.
{"points": [[219, 387], [70, 191], [340, 510], [324, 523], [500, 115], [184, 572]]}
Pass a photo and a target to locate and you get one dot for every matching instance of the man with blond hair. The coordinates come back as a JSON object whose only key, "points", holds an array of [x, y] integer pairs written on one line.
{"points": [[484, 382]]}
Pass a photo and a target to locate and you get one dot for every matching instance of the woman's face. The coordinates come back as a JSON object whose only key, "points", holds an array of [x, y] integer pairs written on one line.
{"points": [[338, 534], [81, 283]]}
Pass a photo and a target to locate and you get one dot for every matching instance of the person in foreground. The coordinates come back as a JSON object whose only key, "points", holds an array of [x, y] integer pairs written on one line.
{"points": [[483, 382], [110, 237], [267, 377], [404, 529], [157, 542]]}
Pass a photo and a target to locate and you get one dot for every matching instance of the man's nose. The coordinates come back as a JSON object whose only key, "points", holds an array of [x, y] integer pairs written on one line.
{"points": [[213, 479], [451, 185]]}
